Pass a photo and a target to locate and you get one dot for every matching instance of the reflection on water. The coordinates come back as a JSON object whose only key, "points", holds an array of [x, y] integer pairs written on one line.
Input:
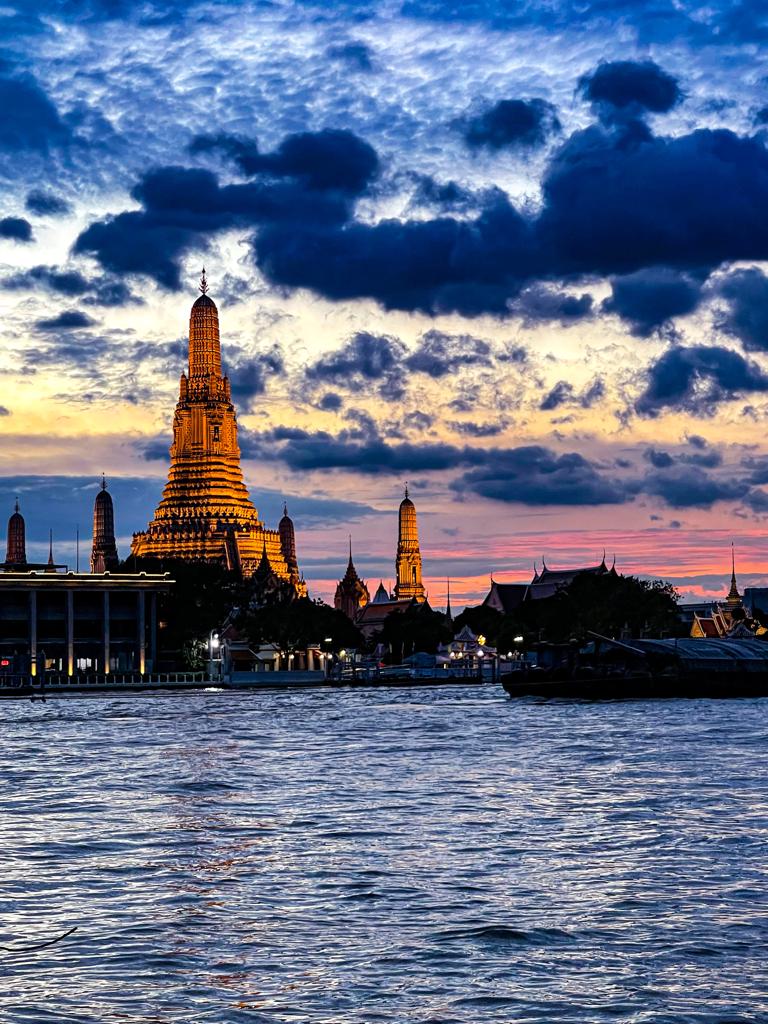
{"points": [[435, 856]]}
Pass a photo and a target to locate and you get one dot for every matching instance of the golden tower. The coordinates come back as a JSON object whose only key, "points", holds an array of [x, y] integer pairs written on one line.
{"points": [[408, 563], [205, 512]]}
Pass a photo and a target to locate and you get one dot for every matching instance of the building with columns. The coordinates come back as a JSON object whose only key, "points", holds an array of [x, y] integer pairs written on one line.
{"points": [[68, 624]]}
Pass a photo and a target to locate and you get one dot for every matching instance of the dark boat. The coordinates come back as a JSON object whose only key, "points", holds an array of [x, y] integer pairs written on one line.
{"points": [[649, 670]]}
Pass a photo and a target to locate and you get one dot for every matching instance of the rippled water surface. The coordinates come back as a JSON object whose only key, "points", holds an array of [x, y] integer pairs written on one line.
{"points": [[403, 855]]}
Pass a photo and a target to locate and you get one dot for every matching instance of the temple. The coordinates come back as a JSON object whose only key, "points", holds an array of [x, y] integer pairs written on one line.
{"points": [[16, 548], [351, 592], [409, 590], [104, 556], [205, 513], [408, 561], [507, 597]]}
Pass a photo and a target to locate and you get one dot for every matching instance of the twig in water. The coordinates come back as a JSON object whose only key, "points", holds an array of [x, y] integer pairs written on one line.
{"points": [[39, 945]]}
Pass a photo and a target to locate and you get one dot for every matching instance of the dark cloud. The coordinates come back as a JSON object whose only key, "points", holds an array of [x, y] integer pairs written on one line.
{"points": [[534, 475], [364, 359], [330, 402], [564, 393], [4, 411], [539, 303], [354, 54], [46, 204], [63, 282], [328, 160], [67, 320], [16, 228], [101, 291], [631, 85], [697, 200], [512, 123], [477, 429], [696, 379], [439, 354], [183, 206], [650, 298], [560, 394], [530, 475], [686, 487], [30, 121], [444, 196], [663, 460], [747, 316], [438, 266], [249, 377]]}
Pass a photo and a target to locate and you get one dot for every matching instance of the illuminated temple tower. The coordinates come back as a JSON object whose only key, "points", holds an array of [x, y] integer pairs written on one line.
{"points": [[408, 562], [104, 550], [205, 512], [16, 549]]}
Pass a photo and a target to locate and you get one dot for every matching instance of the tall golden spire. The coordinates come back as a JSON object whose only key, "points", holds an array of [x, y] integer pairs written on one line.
{"points": [[408, 562], [206, 512], [204, 342]]}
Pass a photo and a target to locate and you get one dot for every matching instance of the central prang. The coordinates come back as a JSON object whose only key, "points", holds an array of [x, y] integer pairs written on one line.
{"points": [[206, 513]]}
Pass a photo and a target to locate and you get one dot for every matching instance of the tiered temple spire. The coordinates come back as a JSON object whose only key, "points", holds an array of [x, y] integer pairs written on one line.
{"points": [[206, 512], [16, 548], [734, 597], [104, 556], [408, 561], [352, 594]]}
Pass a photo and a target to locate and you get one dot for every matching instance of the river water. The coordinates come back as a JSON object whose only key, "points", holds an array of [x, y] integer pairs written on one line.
{"points": [[442, 855]]}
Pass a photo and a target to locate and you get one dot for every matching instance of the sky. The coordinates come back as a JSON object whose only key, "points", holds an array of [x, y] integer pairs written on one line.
{"points": [[513, 253]]}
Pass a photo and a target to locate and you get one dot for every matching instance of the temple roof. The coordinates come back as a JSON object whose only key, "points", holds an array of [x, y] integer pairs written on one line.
{"points": [[203, 300]]}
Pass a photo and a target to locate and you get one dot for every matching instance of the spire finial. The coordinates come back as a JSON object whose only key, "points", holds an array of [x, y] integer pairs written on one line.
{"points": [[350, 548], [17, 504], [103, 482], [285, 508], [203, 283], [50, 547], [406, 488]]}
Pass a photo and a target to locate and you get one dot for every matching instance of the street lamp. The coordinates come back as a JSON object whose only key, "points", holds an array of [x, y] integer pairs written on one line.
{"points": [[214, 644]]}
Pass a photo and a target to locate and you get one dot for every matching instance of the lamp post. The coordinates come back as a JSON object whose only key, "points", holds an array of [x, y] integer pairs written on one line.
{"points": [[214, 657]]}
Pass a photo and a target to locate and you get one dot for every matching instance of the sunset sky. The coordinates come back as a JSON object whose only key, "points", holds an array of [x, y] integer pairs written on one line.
{"points": [[510, 252]]}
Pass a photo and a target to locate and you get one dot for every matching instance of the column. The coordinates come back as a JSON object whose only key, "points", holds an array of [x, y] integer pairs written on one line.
{"points": [[70, 633], [106, 632], [153, 630], [142, 634], [33, 632]]}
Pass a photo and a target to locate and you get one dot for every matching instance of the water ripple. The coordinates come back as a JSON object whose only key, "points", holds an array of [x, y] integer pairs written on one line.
{"points": [[359, 856]]}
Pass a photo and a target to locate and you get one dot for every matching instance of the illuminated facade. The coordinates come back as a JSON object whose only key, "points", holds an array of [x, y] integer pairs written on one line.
{"points": [[408, 561], [205, 512]]}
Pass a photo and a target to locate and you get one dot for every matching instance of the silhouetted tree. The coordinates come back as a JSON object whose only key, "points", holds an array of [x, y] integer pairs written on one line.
{"points": [[292, 627], [418, 628]]}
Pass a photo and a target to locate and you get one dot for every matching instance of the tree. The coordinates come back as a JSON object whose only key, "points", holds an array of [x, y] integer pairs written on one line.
{"points": [[200, 599], [417, 628], [295, 626]]}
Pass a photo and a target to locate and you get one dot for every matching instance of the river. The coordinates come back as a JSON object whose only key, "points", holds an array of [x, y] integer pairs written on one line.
{"points": [[422, 855]]}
